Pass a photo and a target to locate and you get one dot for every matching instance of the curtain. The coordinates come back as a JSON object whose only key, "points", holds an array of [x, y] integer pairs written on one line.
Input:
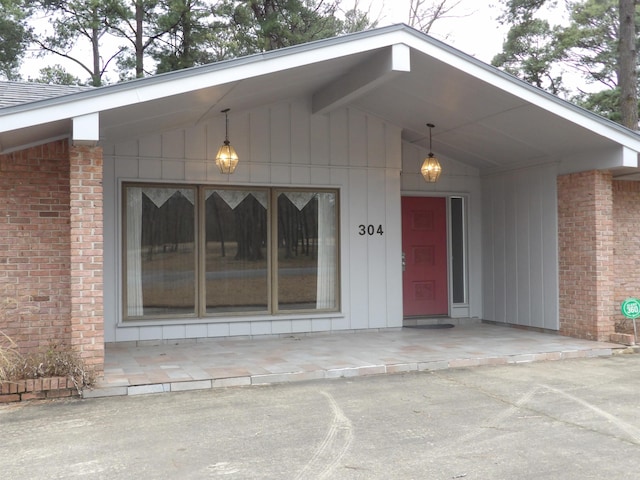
{"points": [[159, 196], [300, 199], [326, 291], [233, 198], [327, 253], [134, 252]]}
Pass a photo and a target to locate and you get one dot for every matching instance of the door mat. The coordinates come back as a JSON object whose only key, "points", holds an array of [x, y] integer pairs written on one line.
{"points": [[435, 326]]}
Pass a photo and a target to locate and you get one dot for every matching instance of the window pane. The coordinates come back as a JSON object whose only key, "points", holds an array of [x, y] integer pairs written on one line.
{"points": [[457, 250], [236, 250], [307, 250], [160, 251]]}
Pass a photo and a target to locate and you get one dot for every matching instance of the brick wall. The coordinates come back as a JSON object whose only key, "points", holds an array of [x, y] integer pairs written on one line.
{"points": [[51, 226], [86, 219], [586, 255], [35, 245], [626, 221]]}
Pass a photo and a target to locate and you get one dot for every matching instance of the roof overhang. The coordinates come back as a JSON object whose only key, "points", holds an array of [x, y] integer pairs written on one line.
{"points": [[484, 118]]}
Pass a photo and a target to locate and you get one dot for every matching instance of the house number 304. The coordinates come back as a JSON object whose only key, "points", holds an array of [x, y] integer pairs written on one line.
{"points": [[370, 230]]}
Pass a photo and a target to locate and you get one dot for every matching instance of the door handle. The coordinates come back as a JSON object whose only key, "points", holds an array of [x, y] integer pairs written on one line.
{"points": [[404, 262]]}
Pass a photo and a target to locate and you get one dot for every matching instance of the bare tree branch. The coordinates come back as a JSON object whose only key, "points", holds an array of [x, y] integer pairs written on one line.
{"points": [[423, 15]]}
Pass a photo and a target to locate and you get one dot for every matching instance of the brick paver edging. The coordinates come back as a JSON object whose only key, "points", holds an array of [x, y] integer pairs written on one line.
{"points": [[37, 389], [334, 373]]}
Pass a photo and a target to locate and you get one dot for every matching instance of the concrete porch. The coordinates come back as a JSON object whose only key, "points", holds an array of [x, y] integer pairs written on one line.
{"points": [[170, 366]]}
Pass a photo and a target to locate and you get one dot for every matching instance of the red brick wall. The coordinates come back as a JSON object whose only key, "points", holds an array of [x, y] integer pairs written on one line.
{"points": [[51, 227], [586, 255], [35, 289], [86, 206], [626, 221]]}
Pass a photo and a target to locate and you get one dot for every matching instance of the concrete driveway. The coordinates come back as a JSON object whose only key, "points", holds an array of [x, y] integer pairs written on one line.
{"points": [[576, 419]]}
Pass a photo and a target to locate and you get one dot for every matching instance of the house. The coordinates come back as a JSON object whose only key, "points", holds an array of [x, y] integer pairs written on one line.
{"points": [[118, 226]]}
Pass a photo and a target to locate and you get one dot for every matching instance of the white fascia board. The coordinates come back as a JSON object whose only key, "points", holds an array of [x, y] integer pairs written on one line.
{"points": [[611, 158], [524, 91]]}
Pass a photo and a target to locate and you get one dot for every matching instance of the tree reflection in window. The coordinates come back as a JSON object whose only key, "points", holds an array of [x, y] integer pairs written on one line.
{"points": [[221, 257], [236, 241], [160, 251], [307, 250]]}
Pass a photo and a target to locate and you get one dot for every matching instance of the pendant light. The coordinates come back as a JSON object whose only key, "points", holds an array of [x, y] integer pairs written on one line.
{"points": [[227, 158], [431, 168]]}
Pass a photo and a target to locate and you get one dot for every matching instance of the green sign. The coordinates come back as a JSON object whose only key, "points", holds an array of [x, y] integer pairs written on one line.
{"points": [[631, 308]]}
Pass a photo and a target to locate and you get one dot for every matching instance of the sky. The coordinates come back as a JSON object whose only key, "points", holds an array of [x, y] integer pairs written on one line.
{"points": [[473, 29]]}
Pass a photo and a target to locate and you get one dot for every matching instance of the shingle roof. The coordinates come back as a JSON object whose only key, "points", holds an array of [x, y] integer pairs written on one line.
{"points": [[16, 93]]}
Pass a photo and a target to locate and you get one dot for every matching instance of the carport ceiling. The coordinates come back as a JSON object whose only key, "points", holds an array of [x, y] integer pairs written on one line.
{"points": [[477, 123]]}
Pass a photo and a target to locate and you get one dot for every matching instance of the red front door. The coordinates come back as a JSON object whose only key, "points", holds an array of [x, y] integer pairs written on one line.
{"points": [[424, 245]]}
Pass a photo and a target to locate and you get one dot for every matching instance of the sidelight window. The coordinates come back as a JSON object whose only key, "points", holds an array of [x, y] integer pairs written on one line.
{"points": [[458, 250]]}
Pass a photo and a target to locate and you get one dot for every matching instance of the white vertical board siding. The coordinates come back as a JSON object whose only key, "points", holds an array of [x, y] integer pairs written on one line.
{"points": [[377, 252], [195, 140], [110, 204], [474, 245], [359, 250], [173, 145], [523, 229], [487, 252], [339, 138], [512, 247], [549, 230], [300, 134], [281, 139], [393, 224], [339, 177], [500, 248], [278, 145], [520, 251]]}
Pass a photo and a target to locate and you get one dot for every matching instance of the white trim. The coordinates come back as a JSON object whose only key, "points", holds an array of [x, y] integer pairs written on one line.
{"points": [[629, 157], [86, 129], [618, 156], [159, 322]]}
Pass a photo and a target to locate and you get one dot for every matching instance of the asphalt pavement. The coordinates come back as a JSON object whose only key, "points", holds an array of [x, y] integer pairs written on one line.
{"points": [[572, 419]]}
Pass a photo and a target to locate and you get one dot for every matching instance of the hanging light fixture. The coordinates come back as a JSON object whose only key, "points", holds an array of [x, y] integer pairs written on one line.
{"points": [[431, 168], [227, 158]]}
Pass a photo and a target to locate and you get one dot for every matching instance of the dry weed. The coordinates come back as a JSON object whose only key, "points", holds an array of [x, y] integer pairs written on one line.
{"points": [[11, 361], [54, 360]]}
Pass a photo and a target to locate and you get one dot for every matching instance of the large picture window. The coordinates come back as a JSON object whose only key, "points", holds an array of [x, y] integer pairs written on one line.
{"points": [[197, 251]]}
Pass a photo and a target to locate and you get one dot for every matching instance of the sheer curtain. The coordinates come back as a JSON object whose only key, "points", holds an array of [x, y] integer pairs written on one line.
{"points": [[159, 196], [326, 262], [134, 252], [158, 289], [326, 276]]}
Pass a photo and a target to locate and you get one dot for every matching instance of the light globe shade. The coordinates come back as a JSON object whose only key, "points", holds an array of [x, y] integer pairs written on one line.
{"points": [[227, 158], [431, 169]]}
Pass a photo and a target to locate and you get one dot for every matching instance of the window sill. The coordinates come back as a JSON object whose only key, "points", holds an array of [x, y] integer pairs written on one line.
{"points": [[230, 319]]}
